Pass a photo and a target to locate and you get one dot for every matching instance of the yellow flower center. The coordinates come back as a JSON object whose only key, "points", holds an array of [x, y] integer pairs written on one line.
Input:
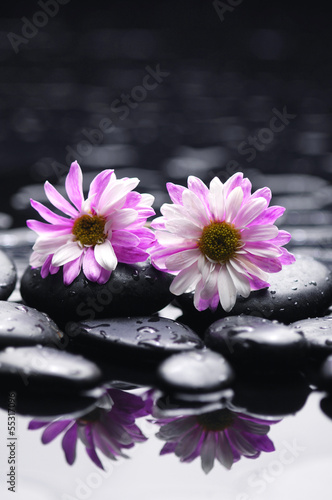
{"points": [[217, 420], [89, 230], [219, 241]]}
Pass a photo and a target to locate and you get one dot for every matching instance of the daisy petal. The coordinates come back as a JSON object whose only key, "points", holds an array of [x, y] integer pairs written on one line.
{"points": [[69, 441], [259, 233], [74, 183], [175, 192], [250, 211], [71, 270], [59, 201], [233, 204], [226, 289], [186, 278], [105, 256], [216, 199], [50, 216], [66, 253], [208, 452]]}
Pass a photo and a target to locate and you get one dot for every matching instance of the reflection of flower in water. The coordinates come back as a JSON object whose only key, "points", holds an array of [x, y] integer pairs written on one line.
{"points": [[221, 434], [110, 430]]}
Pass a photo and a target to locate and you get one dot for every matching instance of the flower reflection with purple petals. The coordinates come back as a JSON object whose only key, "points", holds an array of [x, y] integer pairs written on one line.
{"points": [[222, 434], [111, 429]]}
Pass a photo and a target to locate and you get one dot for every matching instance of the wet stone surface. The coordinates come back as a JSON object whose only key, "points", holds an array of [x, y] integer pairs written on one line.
{"points": [[42, 368], [7, 276], [142, 338], [132, 290], [318, 332], [195, 372], [255, 343], [299, 290], [23, 326]]}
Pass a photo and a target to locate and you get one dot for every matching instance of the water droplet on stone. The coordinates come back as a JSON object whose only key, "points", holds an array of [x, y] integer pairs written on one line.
{"points": [[147, 329], [135, 275]]}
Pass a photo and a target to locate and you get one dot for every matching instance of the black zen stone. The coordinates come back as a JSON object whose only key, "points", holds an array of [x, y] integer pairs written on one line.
{"points": [[253, 343], [299, 290], [318, 332], [53, 404], [274, 396], [132, 290], [44, 369], [195, 372], [7, 276], [23, 326], [323, 377], [140, 338]]}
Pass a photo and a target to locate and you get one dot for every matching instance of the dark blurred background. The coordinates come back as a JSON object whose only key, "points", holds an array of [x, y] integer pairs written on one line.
{"points": [[171, 88]]}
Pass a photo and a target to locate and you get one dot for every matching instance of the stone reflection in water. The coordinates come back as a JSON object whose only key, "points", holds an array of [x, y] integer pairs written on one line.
{"points": [[222, 434], [110, 427]]}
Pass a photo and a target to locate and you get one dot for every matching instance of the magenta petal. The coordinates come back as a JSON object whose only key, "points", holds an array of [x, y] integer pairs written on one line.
{"points": [[91, 268], [125, 238], [59, 201], [54, 429], [71, 270], [50, 216], [104, 276], [50, 229], [262, 193], [130, 255], [287, 257], [44, 272], [269, 216], [74, 183], [257, 284], [132, 200], [175, 192], [282, 239], [268, 265], [69, 444], [98, 185]]}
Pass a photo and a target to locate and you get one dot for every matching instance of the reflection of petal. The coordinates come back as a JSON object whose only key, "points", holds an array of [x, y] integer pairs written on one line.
{"points": [[90, 449], [174, 429], [54, 429], [208, 452], [224, 451], [69, 444]]}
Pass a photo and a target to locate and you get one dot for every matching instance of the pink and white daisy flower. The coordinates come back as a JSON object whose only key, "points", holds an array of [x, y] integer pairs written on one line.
{"points": [[96, 233], [219, 241]]}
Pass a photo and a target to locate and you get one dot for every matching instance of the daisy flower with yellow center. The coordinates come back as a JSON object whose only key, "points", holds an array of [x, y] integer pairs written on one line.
{"points": [[219, 241]]}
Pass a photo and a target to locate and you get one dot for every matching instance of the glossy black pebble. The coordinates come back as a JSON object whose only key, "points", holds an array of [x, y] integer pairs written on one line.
{"points": [[198, 372], [132, 290], [52, 404], [323, 377], [43, 369], [274, 396], [143, 338], [318, 332], [7, 276], [256, 343], [299, 290], [23, 326]]}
